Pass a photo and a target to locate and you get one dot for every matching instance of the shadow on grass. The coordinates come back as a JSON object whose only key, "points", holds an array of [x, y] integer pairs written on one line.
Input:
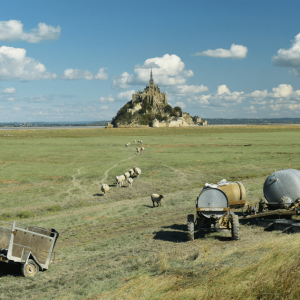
{"points": [[10, 270], [99, 195], [171, 236], [149, 206], [182, 227]]}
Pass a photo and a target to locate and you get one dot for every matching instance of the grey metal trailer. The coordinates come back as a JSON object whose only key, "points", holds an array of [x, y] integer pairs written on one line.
{"points": [[29, 246]]}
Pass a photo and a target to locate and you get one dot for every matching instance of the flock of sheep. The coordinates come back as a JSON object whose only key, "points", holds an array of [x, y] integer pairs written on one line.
{"points": [[128, 176]]}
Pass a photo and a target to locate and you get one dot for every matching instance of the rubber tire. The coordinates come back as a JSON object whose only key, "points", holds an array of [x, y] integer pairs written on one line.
{"points": [[190, 227], [30, 268], [235, 227]]}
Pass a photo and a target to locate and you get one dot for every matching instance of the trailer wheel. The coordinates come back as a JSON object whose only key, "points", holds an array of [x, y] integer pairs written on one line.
{"points": [[235, 227], [190, 227], [30, 268]]}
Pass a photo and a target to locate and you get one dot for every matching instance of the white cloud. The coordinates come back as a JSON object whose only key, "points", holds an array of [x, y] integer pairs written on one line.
{"points": [[101, 75], [104, 107], [222, 97], [15, 64], [38, 99], [17, 108], [235, 52], [125, 95], [167, 70], [13, 30], [10, 90], [110, 98], [289, 58], [180, 104], [189, 89], [70, 74], [11, 99]]}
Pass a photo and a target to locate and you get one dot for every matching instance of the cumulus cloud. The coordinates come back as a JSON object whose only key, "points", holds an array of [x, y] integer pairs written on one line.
{"points": [[189, 89], [110, 98], [101, 75], [13, 30], [167, 70], [125, 95], [223, 97], [10, 90], [235, 52], [289, 58], [15, 64], [70, 74]]}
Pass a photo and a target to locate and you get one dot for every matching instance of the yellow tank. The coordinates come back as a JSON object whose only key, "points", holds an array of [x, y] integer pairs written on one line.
{"points": [[235, 192]]}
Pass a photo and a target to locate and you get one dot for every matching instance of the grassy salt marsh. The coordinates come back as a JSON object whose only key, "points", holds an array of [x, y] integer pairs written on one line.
{"points": [[118, 246]]}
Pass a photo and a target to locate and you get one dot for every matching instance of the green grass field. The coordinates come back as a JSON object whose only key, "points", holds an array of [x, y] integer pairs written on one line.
{"points": [[117, 246]]}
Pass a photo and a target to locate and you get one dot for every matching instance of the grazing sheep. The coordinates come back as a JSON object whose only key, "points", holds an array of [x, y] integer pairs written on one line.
{"points": [[156, 198], [130, 181], [127, 175], [127, 145], [140, 141], [138, 149], [120, 180], [137, 171], [104, 188], [131, 172], [142, 149]]}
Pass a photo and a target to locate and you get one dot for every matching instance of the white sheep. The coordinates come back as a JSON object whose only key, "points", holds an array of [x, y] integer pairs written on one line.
{"points": [[104, 188], [120, 180], [128, 144], [138, 149], [156, 198], [142, 149], [140, 141], [127, 175], [130, 181], [131, 172], [137, 171]]}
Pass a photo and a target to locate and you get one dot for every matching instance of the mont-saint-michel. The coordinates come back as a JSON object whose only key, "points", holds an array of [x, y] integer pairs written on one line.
{"points": [[150, 108]]}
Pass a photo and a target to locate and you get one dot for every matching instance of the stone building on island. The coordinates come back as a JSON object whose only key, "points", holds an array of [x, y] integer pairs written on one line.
{"points": [[153, 96]]}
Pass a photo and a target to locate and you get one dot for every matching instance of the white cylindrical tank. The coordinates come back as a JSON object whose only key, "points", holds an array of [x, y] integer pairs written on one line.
{"points": [[282, 187]]}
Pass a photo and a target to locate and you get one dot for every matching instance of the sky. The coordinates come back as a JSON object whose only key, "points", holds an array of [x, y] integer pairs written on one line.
{"points": [[68, 61]]}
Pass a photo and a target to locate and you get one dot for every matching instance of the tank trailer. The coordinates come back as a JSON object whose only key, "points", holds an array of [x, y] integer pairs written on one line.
{"points": [[280, 202], [213, 208]]}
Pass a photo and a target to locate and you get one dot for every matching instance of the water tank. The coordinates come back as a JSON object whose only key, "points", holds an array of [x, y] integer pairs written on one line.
{"points": [[282, 187], [211, 198], [235, 192]]}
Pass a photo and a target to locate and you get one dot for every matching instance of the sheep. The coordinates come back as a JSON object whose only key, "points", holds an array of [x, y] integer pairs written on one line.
{"points": [[142, 149], [130, 181], [127, 175], [140, 141], [137, 171], [135, 141], [127, 145], [131, 172], [120, 180], [138, 149], [156, 198], [104, 188]]}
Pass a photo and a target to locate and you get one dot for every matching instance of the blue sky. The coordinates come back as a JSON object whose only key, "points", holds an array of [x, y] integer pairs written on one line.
{"points": [[82, 60]]}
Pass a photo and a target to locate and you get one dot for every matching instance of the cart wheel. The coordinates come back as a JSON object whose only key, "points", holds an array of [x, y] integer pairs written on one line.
{"points": [[30, 268], [190, 227], [235, 227]]}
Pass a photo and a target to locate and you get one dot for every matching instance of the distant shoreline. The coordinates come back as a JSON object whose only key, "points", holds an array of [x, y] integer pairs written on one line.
{"points": [[103, 127]]}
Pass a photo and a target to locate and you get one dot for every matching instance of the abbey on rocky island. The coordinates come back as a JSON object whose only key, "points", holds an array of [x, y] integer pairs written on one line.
{"points": [[153, 96]]}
